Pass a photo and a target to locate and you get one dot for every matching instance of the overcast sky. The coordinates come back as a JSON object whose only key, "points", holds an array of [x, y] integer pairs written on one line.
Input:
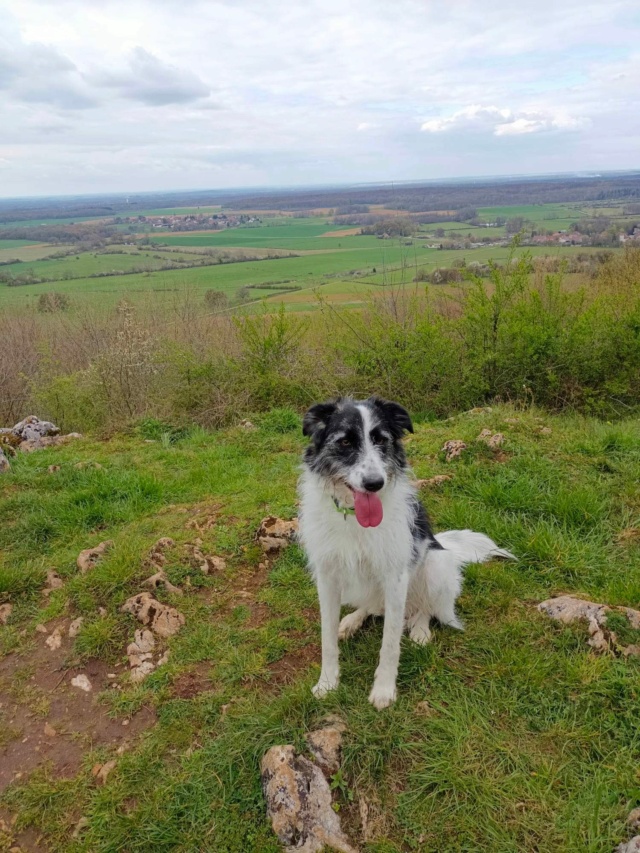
{"points": [[104, 95]]}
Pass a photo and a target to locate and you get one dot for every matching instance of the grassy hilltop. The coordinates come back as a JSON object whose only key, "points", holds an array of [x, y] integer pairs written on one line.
{"points": [[529, 740], [156, 331]]}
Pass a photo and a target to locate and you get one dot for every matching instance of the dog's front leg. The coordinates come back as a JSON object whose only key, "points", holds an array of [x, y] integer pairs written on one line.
{"points": [[383, 692], [329, 595]]}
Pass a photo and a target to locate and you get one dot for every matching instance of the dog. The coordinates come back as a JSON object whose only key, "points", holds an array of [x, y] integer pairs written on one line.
{"points": [[368, 538]]}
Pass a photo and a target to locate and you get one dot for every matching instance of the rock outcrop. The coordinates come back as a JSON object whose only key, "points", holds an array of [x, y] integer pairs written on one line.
{"points": [[88, 558], [274, 534], [568, 609], [162, 619], [298, 793]]}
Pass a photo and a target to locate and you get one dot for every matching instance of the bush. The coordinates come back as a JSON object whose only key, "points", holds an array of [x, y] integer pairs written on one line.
{"points": [[216, 300], [50, 302], [511, 332]]}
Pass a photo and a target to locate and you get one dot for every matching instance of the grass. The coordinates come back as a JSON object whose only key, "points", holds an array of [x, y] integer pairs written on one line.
{"points": [[530, 741], [15, 244], [321, 258]]}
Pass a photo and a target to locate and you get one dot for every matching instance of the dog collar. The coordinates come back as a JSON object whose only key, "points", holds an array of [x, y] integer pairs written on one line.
{"points": [[345, 510]]}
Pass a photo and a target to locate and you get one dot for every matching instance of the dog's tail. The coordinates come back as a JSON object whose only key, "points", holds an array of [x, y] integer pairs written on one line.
{"points": [[472, 547]]}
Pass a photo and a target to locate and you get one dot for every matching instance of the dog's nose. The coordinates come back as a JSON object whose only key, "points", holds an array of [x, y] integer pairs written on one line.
{"points": [[373, 485]]}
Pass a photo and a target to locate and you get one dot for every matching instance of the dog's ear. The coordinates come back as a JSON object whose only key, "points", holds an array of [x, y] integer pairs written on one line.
{"points": [[395, 415], [317, 418]]}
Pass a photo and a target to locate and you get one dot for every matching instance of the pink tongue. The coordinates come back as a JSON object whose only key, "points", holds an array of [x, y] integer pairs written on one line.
{"points": [[368, 509]]}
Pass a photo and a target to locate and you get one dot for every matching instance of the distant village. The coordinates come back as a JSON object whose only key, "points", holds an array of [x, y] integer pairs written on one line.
{"points": [[192, 222]]}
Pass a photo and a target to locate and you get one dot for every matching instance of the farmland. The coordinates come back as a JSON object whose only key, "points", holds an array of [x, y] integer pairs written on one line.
{"points": [[155, 263]]}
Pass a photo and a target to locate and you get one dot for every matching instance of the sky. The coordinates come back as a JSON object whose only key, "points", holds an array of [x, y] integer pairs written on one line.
{"points": [[143, 95]]}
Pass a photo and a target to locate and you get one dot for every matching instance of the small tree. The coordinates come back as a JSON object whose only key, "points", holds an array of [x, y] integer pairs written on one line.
{"points": [[514, 225], [216, 300], [48, 303]]}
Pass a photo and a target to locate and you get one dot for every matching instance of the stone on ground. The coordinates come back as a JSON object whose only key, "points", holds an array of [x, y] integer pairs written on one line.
{"points": [[299, 803], [568, 609], [162, 619], [88, 558]]}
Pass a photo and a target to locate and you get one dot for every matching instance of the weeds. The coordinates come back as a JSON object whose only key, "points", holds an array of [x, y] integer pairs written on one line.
{"points": [[518, 333]]}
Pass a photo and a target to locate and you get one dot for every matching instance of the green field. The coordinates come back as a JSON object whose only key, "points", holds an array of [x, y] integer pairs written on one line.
{"points": [[513, 736], [323, 261], [14, 244], [535, 212]]}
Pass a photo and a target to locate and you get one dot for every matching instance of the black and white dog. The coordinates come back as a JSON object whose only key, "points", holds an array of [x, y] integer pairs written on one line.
{"points": [[368, 539]]}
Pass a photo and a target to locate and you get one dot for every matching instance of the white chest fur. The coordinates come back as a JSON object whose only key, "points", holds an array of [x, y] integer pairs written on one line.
{"points": [[357, 558]]}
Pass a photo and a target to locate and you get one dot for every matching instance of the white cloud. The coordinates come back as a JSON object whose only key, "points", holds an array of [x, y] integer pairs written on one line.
{"points": [[150, 80], [137, 94], [502, 122]]}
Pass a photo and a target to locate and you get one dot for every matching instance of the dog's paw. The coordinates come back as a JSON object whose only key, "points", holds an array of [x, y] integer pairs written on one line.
{"points": [[324, 686], [350, 624], [420, 633], [382, 696]]}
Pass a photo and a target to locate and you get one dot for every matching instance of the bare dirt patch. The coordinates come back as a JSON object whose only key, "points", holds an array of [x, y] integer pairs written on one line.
{"points": [[285, 670], [344, 232], [48, 721], [194, 681]]}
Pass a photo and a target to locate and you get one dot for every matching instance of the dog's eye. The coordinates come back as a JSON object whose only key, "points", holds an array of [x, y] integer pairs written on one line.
{"points": [[344, 442], [377, 438]]}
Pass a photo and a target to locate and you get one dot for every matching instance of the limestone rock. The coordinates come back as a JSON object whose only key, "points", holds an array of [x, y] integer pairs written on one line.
{"points": [[74, 627], [325, 746], [54, 640], [87, 559], [274, 534], [632, 846], [633, 819], [32, 429], [82, 683], [160, 579], [140, 672], [299, 804], [156, 557], [101, 771], [143, 641], [490, 439], [437, 480], [568, 609], [161, 618], [54, 581], [453, 448], [5, 613], [140, 654], [205, 562]]}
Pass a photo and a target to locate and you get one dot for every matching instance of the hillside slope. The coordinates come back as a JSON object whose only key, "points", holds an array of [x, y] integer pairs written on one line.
{"points": [[512, 736]]}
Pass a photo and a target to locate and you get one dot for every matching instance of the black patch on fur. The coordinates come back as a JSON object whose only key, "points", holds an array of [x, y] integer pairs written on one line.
{"points": [[317, 418], [421, 529], [323, 422], [392, 414], [342, 417]]}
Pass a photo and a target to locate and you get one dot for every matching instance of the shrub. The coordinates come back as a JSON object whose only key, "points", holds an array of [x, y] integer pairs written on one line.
{"points": [[50, 302], [216, 300], [511, 331]]}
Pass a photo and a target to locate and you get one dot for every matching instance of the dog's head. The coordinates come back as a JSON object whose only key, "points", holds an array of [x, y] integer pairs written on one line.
{"points": [[357, 444]]}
